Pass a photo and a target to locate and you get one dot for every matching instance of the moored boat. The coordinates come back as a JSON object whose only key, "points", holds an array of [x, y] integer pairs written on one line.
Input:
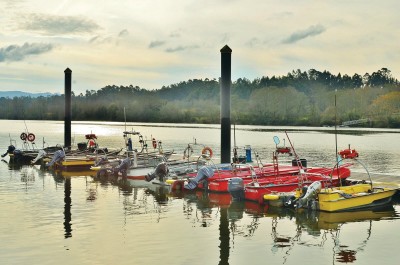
{"points": [[255, 190], [348, 198], [336, 199], [28, 150], [136, 165], [82, 158]]}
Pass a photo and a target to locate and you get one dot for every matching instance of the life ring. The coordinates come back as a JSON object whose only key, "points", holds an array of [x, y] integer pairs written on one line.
{"points": [[154, 142], [23, 136], [31, 137], [207, 151]]}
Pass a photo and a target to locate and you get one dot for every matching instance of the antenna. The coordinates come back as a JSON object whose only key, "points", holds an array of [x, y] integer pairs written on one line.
{"points": [[337, 159], [125, 118]]}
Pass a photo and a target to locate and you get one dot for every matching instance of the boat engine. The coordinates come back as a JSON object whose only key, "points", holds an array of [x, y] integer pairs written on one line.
{"points": [[58, 156], [122, 167], [39, 156], [236, 188], [203, 174], [310, 194], [10, 150], [160, 172]]}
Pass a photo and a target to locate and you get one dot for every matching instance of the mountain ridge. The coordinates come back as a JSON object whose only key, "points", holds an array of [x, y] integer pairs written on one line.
{"points": [[12, 94]]}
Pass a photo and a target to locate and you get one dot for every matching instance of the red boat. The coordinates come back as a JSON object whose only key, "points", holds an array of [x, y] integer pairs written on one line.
{"points": [[284, 150], [256, 190], [218, 182], [287, 177], [348, 153]]}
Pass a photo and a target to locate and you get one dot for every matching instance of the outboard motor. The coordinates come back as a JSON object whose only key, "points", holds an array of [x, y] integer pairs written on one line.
{"points": [[160, 172], [101, 161], [40, 155], [202, 175], [58, 156], [236, 189], [123, 167], [10, 150], [312, 191]]}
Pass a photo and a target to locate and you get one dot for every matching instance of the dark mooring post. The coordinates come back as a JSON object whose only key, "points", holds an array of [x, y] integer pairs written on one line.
{"points": [[226, 104], [68, 112]]}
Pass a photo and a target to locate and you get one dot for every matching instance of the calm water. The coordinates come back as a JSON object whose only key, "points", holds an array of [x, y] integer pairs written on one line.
{"points": [[53, 218]]}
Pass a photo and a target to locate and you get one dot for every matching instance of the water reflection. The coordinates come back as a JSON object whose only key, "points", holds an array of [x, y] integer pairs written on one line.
{"points": [[311, 229], [67, 208], [323, 225], [320, 226], [289, 229]]}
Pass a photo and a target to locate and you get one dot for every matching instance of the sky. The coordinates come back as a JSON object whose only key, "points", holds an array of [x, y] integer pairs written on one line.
{"points": [[156, 43]]}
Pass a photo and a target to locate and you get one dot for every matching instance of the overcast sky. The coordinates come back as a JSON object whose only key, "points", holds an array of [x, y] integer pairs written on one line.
{"points": [[155, 43]]}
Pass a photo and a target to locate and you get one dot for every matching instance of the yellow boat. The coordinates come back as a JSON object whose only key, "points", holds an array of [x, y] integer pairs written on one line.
{"points": [[346, 198], [75, 163], [335, 199], [78, 162], [354, 197]]}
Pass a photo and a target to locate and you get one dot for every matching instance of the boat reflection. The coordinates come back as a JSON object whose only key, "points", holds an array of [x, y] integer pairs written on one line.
{"points": [[302, 228], [320, 226]]}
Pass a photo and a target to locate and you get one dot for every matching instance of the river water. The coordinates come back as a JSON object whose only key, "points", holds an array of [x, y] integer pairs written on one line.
{"points": [[55, 218]]}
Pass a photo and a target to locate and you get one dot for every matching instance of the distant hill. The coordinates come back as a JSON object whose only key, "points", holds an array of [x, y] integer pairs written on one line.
{"points": [[12, 94]]}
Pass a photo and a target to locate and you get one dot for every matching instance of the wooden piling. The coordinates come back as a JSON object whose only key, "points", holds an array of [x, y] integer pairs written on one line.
{"points": [[225, 87], [68, 112]]}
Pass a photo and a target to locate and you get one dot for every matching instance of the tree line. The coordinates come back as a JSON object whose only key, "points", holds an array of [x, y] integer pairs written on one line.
{"points": [[298, 99]]}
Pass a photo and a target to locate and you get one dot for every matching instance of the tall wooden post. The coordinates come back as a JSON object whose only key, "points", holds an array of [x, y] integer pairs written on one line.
{"points": [[225, 104], [68, 112]]}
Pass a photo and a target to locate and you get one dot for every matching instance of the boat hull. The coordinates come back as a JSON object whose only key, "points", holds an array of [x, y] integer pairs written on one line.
{"points": [[74, 164], [256, 193], [352, 198], [285, 180]]}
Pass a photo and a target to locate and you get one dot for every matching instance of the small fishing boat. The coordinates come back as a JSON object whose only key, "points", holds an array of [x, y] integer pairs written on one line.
{"points": [[136, 165], [219, 181], [82, 158], [336, 199], [255, 190], [28, 150], [251, 181], [351, 198]]}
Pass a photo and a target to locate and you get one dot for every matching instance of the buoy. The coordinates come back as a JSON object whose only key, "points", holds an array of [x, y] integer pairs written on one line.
{"points": [[271, 197], [207, 151], [23, 136], [31, 137]]}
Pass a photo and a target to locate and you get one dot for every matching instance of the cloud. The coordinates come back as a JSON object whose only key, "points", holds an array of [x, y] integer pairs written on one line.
{"points": [[94, 39], [175, 34], [253, 42], [302, 34], [109, 39], [101, 40], [123, 33], [181, 48], [53, 25], [18, 53], [155, 44]]}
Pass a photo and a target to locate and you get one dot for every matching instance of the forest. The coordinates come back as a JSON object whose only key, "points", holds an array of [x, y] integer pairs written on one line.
{"points": [[300, 98]]}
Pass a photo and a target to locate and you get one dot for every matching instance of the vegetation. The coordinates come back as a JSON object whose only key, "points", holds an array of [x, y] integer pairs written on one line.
{"points": [[299, 98]]}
